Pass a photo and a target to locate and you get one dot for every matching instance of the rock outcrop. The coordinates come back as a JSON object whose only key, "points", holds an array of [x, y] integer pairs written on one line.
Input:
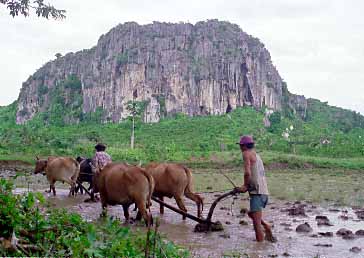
{"points": [[211, 67]]}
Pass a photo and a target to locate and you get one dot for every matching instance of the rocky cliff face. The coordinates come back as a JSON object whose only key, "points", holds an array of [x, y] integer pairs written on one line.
{"points": [[211, 67]]}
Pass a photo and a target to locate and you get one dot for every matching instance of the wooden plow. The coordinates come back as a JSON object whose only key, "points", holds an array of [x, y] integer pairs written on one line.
{"points": [[204, 225]]}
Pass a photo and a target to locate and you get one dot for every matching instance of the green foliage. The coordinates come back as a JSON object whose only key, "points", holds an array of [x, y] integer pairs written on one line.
{"points": [[58, 233], [42, 90], [73, 83], [7, 114], [64, 104], [162, 104], [178, 138], [9, 216], [336, 118], [92, 117], [136, 108], [286, 109], [23, 7], [275, 121], [122, 58]]}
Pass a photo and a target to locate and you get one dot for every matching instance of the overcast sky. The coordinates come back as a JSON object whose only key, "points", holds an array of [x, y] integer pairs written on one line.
{"points": [[317, 45]]}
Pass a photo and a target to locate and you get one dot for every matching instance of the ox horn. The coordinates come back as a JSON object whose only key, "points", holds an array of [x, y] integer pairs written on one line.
{"points": [[140, 163], [37, 158]]}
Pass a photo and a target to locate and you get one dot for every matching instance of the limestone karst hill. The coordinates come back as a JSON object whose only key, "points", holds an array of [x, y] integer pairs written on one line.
{"points": [[211, 67]]}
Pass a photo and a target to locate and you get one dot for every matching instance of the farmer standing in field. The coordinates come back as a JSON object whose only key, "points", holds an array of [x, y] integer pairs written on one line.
{"points": [[255, 183]]}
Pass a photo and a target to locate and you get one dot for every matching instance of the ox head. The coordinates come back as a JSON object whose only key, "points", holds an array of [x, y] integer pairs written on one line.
{"points": [[40, 165], [80, 159]]}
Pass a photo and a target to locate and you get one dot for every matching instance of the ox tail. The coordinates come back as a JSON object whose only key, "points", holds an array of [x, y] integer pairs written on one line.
{"points": [[189, 187], [77, 166], [151, 186]]}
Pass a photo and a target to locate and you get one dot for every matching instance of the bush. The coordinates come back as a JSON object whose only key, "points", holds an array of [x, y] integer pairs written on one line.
{"points": [[73, 83]]}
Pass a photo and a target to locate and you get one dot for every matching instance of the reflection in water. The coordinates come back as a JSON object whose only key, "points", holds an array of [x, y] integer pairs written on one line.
{"points": [[238, 238]]}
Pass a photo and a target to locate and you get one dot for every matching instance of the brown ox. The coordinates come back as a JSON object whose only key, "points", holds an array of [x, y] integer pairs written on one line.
{"points": [[174, 180], [119, 183], [61, 169]]}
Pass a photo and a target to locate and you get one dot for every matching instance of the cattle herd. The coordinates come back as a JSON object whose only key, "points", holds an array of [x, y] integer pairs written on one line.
{"points": [[122, 183]]}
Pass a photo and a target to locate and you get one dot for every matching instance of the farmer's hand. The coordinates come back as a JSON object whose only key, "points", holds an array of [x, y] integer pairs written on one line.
{"points": [[241, 189]]}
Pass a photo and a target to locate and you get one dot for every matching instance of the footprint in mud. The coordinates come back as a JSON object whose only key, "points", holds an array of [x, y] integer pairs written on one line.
{"points": [[344, 217], [360, 214], [360, 233], [243, 211], [323, 245], [355, 249], [334, 210], [225, 235], [346, 234], [323, 221], [297, 211], [285, 224], [243, 223], [343, 232], [326, 234], [349, 236]]}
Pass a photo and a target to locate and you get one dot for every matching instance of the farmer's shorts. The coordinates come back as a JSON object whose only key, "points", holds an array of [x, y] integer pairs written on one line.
{"points": [[258, 202]]}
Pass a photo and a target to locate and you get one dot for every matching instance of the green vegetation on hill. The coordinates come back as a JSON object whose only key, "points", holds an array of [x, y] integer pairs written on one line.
{"points": [[326, 132], [323, 115]]}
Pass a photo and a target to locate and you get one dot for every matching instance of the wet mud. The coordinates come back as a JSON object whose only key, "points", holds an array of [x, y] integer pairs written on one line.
{"points": [[238, 236], [334, 231]]}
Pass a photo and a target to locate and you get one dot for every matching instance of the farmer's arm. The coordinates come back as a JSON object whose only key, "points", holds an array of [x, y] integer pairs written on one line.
{"points": [[247, 172]]}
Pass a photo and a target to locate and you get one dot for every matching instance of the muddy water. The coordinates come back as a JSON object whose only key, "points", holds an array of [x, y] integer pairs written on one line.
{"points": [[239, 239]]}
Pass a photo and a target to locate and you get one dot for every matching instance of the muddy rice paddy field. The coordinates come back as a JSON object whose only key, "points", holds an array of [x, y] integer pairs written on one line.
{"points": [[329, 201]]}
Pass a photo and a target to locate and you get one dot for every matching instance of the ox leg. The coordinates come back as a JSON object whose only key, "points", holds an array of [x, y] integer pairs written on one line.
{"points": [[72, 190], [126, 212], [90, 186], [79, 186], [161, 206], [53, 188], [73, 186], [50, 189], [103, 203], [143, 211], [104, 208], [198, 200], [181, 205]]}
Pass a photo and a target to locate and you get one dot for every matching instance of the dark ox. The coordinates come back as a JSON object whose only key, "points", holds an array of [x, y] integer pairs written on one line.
{"points": [[86, 174]]}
